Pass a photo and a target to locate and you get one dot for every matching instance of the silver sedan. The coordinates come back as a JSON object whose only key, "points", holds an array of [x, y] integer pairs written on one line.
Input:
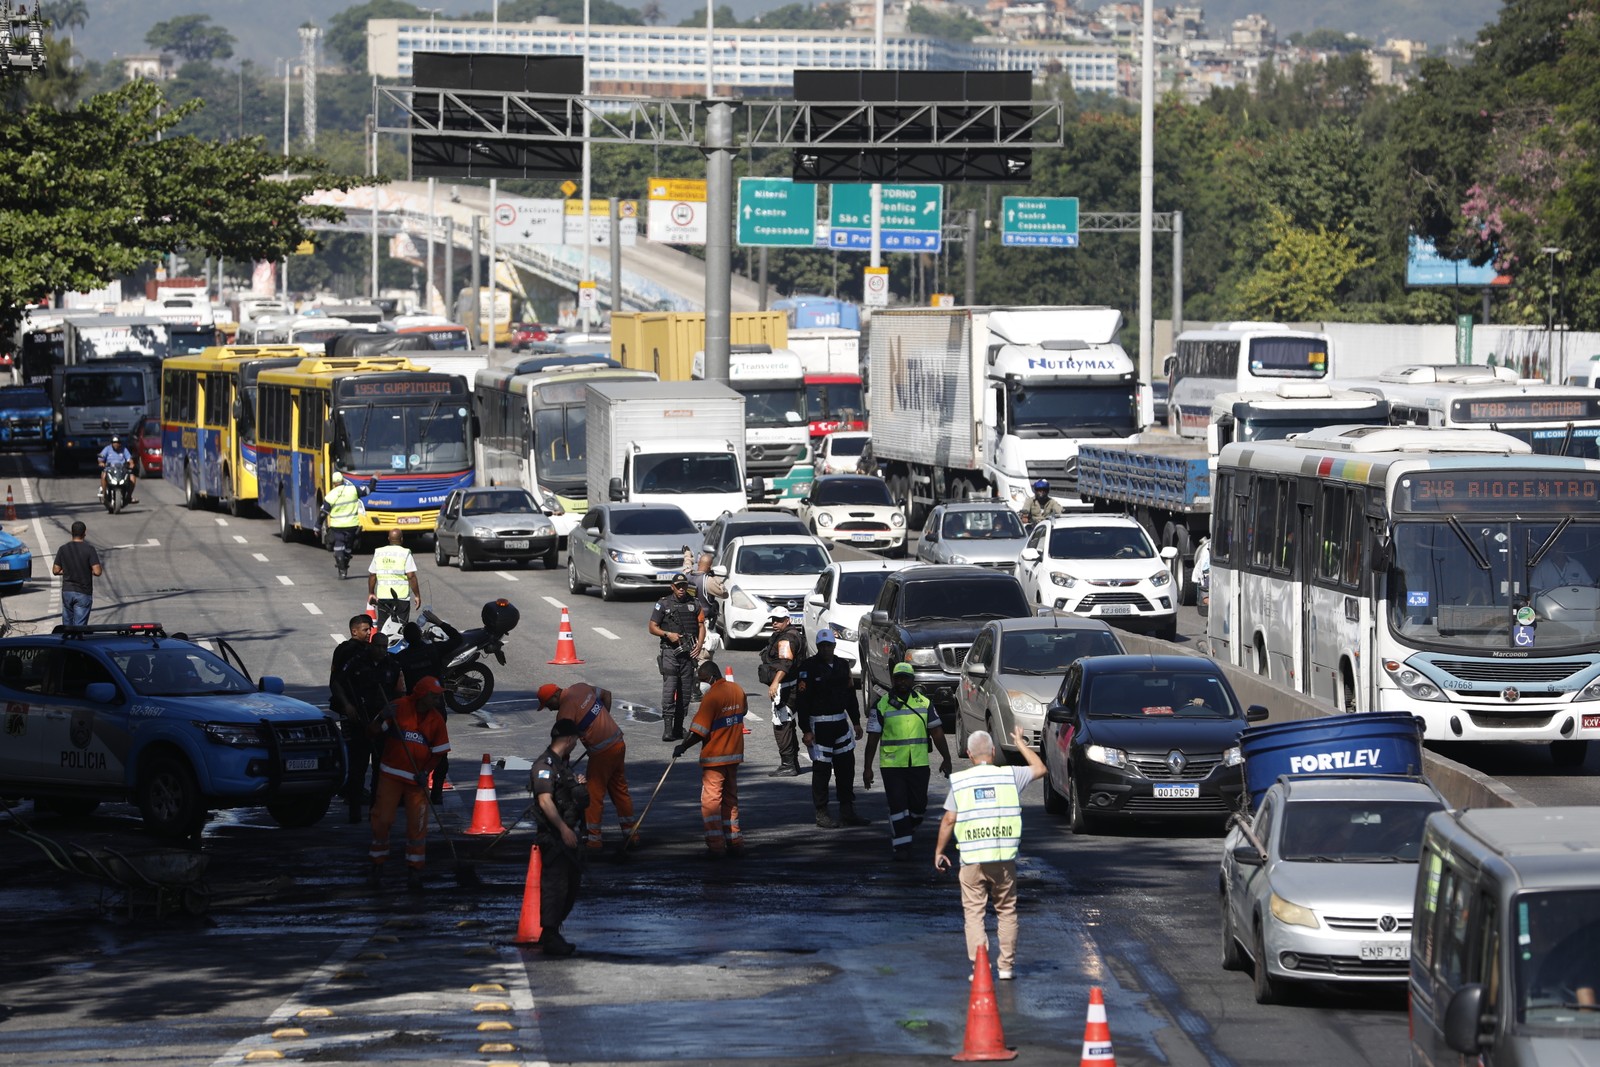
{"points": [[620, 547], [982, 534], [480, 524]]}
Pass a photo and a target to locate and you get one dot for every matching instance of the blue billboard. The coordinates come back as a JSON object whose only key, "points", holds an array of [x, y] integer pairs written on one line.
{"points": [[1425, 266]]}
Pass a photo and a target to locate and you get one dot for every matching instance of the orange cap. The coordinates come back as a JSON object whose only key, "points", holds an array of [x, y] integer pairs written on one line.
{"points": [[548, 690], [427, 685]]}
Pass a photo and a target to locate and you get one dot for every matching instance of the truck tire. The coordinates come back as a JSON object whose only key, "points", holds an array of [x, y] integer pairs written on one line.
{"points": [[169, 797], [1183, 566]]}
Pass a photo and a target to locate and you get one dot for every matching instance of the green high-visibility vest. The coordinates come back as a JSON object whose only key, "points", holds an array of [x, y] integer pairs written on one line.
{"points": [[344, 505], [389, 564], [905, 731], [988, 814]]}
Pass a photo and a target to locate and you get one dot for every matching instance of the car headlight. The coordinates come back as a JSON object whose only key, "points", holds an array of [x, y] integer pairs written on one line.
{"points": [[1293, 914], [1590, 691], [897, 520], [1232, 757], [824, 519], [19, 550], [958, 559], [1063, 579], [1160, 578], [235, 735], [1111, 757], [1023, 704], [845, 633], [1415, 685], [484, 531], [742, 600], [625, 557], [924, 657]]}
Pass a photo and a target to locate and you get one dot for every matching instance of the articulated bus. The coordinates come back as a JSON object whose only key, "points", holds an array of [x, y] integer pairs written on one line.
{"points": [[208, 439], [532, 431], [1237, 357], [1555, 420], [377, 417], [1449, 574]]}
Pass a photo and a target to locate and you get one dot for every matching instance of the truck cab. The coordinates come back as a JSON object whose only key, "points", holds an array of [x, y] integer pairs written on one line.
{"points": [[703, 477], [95, 401], [777, 436]]}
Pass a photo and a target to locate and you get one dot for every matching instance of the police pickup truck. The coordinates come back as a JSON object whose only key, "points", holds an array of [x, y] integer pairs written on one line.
{"points": [[97, 713]]}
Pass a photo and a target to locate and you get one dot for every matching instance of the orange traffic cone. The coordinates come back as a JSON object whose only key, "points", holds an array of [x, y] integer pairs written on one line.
{"points": [[566, 650], [1096, 1034], [486, 809], [528, 929], [372, 613], [11, 506], [985, 1040]]}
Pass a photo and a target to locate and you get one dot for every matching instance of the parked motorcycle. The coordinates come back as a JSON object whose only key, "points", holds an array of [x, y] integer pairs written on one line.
{"points": [[119, 490], [468, 682]]}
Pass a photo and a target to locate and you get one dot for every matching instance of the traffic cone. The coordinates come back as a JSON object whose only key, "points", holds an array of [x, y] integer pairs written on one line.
{"points": [[566, 650], [486, 809], [1097, 1034], [11, 506], [528, 929], [372, 613], [985, 1040]]}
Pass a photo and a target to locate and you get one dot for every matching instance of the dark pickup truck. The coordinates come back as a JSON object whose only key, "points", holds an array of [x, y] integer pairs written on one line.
{"points": [[929, 616]]}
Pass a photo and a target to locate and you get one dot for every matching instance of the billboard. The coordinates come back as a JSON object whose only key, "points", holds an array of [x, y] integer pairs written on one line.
{"points": [[1425, 266]]}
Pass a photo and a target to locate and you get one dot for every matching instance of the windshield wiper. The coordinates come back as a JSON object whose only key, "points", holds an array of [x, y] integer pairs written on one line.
{"points": [[1477, 554], [1049, 429], [1534, 558], [1101, 429]]}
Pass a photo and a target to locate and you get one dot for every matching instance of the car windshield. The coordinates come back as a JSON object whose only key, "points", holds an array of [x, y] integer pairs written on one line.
{"points": [[997, 524], [851, 491], [957, 600], [1052, 651], [1353, 831], [1555, 939], [702, 472], [650, 522], [846, 446], [104, 390], [509, 502], [861, 587], [179, 671], [1100, 542], [781, 559], [1151, 694]]}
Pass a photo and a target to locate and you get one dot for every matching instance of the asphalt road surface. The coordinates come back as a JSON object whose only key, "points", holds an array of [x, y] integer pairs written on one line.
{"points": [[812, 949]]}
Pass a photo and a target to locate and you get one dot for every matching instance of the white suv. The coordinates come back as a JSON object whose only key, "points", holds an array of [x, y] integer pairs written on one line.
{"points": [[1102, 566], [856, 510]]}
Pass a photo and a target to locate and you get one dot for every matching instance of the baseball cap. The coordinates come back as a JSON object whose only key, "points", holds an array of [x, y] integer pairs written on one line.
{"points": [[548, 690], [825, 637], [778, 613], [427, 685], [903, 668], [678, 580], [337, 478]]}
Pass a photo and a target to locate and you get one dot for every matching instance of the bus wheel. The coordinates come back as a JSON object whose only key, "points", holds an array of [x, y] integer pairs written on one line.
{"points": [[234, 504], [1347, 684], [191, 499], [285, 532]]}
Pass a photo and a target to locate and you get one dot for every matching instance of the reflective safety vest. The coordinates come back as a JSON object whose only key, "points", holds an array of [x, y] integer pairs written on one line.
{"points": [[344, 505], [904, 741], [988, 814], [389, 564]]}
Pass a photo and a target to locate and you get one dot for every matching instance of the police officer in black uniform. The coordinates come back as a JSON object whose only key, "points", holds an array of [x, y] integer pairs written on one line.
{"points": [[561, 798], [678, 621], [363, 679], [830, 724], [779, 672]]}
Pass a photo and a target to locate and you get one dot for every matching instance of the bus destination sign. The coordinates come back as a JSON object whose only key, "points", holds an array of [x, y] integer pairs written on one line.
{"points": [[365, 387], [1482, 491], [1493, 409]]}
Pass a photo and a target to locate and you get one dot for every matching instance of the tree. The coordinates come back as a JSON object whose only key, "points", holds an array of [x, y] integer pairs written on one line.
{"points": [[1299, 277], [69, 15], [803, 17], [958, 27], [90, 193], [724, 16], [601, 12], [347, 31], [192, 37], [652, 12]]}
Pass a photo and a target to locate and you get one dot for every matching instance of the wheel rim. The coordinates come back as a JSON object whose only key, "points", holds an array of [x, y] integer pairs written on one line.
{"points": [[572, 575], [605, 583], [438, 551], [166, 797]]}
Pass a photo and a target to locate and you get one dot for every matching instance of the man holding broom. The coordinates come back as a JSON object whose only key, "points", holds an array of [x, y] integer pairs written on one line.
{"points": [[719, 724], [414, 741]]}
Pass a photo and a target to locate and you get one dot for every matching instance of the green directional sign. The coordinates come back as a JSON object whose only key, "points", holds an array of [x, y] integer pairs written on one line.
{"points": [[909, 217], [777, 212], [1039, 220]]}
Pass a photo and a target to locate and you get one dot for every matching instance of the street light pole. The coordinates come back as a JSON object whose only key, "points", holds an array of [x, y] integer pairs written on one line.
{"points": [[1550, 318]]}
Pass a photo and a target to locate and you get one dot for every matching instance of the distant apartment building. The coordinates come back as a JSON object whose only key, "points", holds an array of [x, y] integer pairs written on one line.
{"points": [[148, 66]]}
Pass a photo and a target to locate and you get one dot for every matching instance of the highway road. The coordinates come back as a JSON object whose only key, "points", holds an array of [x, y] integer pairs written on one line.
{"points": [[813, 949]]}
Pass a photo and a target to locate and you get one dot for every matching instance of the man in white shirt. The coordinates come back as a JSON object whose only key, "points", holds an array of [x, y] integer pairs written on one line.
{"points": [[1557, 569]]}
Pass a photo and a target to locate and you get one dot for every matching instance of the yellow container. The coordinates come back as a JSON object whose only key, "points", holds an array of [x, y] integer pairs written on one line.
{"points": [[665, 342]]}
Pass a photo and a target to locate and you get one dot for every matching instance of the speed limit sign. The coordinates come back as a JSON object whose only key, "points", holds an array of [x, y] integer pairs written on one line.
{"points": [[875, 286]]}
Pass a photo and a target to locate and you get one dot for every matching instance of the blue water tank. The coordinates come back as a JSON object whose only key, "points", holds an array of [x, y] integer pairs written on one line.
{"points": [[1365, 743]]}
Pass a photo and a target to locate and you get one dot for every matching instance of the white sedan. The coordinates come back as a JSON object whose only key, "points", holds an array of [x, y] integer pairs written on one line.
{"points": [[856, 510], [840, 452], [765, 574], [1101, 566], [844, 593]]}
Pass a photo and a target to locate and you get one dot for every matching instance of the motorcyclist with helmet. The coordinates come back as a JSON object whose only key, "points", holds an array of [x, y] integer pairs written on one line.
{"points": [[1041, 507], [112, 454]]}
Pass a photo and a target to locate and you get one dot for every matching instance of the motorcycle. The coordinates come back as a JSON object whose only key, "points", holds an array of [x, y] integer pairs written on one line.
{"points": [[468, 682], [119, 490]]}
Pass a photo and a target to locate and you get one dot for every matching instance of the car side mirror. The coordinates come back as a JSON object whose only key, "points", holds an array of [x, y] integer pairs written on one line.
{"points": [[100, 693], [1255, 713], [1247, 856], [1059, 715], [1031, 555], [614, 490], [1463, 1020], [270, 683], [1169, 553], [879, 618], [977, 670], [805, 500], [931, 536], [815, 600], [719, 572]]}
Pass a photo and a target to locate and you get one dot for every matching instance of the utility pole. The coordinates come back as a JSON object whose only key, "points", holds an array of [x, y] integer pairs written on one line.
{"points": [[615, 207], [1147, 191], [719, 238]]}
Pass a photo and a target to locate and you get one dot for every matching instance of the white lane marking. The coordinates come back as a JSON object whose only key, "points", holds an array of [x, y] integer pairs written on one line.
{"points": [[337, 639], [221, 521], [553, 602], [241, 540], [261, 557], [285, 579], [311, 608], [152, 541], [508, 576], [605, 633], [53, 604]]}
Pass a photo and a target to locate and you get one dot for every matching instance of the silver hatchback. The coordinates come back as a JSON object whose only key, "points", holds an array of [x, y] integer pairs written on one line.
{"points": [[621, 547], [981, 534]]}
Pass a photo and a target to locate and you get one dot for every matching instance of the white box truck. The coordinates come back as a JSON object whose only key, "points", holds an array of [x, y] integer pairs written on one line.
{"points": [[979, 402], [667, 443]]}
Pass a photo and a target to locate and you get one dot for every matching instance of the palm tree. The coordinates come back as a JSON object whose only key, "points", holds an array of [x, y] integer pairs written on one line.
{"points": [[69, 15]]}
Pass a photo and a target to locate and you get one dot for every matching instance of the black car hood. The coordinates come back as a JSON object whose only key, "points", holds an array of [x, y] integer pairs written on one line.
{"points": [[1162, 733], [942, 633]]}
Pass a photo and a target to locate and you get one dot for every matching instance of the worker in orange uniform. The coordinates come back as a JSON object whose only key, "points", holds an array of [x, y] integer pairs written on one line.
{"points": [[719, 724], [414, 741], [590, 708]]}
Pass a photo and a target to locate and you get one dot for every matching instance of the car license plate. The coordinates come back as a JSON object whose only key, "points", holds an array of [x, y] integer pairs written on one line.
{"points": [[517, 544], [1177, 792], [666, 576], [863, 537], [1591, 722], [301, 764], [1116, 609], [796, 619], [1383, 950]]}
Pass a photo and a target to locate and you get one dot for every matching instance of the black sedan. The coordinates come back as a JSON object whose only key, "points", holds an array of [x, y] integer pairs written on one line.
{"points": [[1144, 737]]}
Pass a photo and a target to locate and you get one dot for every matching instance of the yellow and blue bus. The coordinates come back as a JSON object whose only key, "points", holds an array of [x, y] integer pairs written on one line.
{"points": [[208, 422], [378, 417]]}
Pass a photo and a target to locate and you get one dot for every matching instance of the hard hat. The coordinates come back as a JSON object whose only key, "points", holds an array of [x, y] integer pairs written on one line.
{"points": [[116, 438], [548, 690], [427, 685], [1041, 484], [903, 668], [337, 477], [825, 637]]}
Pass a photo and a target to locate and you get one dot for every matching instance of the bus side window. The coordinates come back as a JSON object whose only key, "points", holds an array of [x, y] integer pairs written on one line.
{"points": [[1332, 521], [1263, 530], [1354, 542], [1222, 542]]}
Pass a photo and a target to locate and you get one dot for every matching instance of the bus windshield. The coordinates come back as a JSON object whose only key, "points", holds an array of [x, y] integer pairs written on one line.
{"points": [[1288, 357], [1472, 584], [1074, 411], [825, 400], [417, 438], [1583, 442], [771, 406], [560, 445], [104, 390]]}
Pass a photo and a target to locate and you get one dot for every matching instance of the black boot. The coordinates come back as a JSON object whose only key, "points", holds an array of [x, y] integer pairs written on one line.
{"points": [[826, 821], [553, 944], [666, 726], [848, 817], [785, 770]]}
